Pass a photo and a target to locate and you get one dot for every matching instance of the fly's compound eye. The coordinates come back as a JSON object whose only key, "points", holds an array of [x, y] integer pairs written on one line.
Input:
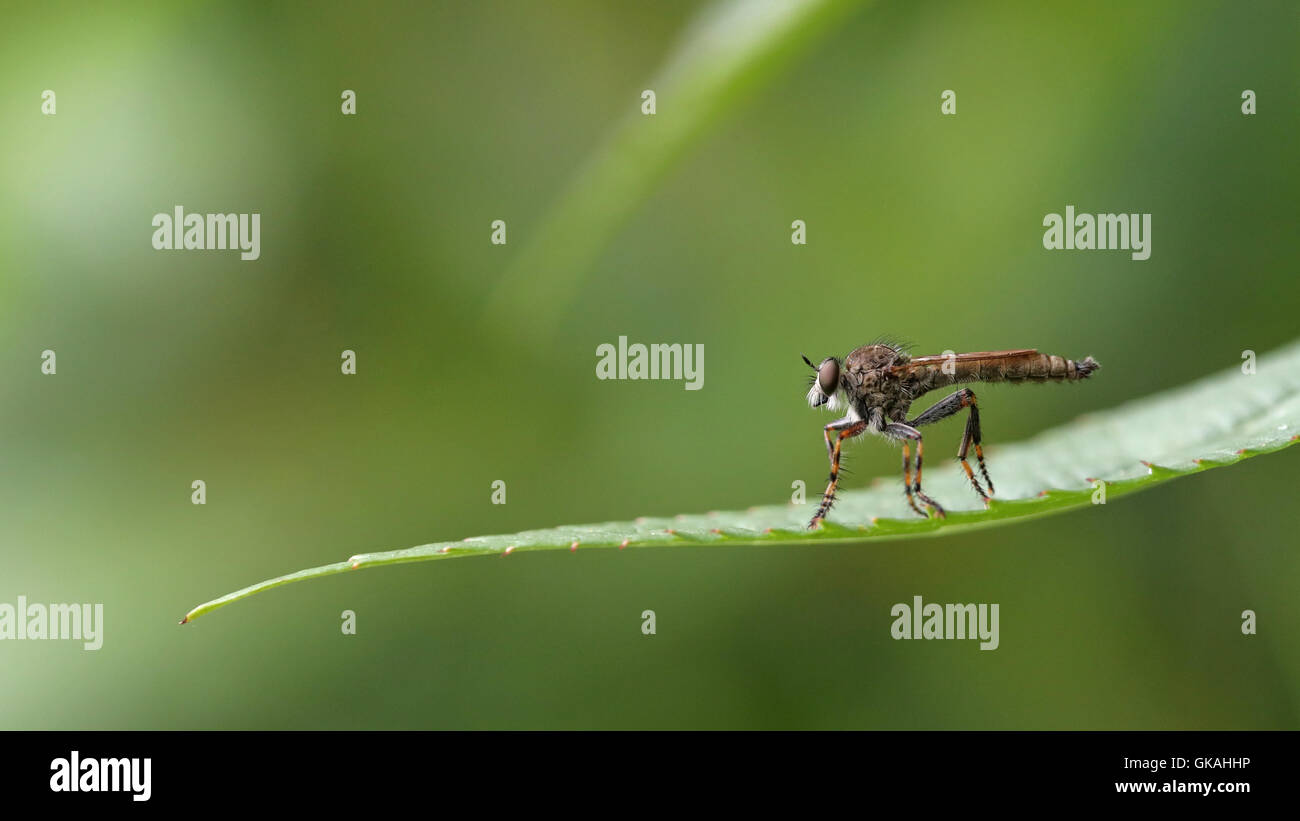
{"points": [[828, 377], [822, 387]]}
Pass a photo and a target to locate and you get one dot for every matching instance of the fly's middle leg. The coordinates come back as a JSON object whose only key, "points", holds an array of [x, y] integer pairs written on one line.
{"points": [[913, 488], [907, 479]]}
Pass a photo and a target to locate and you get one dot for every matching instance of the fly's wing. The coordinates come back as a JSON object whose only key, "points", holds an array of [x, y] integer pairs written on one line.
{"points": [[926, 373], [979, 357]]}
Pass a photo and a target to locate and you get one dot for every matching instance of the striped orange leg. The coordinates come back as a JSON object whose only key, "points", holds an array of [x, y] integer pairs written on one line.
{"points": [[972, 436], [907, 479], [910, 487], [964, 398], [849, 430]]}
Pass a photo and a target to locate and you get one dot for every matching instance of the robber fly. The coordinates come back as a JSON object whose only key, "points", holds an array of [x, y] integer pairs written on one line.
{"points": [[878, 383]]}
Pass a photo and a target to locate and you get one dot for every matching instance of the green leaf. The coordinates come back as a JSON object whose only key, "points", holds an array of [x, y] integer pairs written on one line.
{"points": [[728, 51], [1215, 422]]}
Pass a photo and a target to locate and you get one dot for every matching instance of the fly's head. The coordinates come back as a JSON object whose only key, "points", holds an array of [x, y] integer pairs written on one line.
{"points": [[824, 385]]}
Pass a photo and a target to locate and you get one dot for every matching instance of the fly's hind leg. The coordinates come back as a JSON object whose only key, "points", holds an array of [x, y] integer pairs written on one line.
{"points": [[972, 436], [908, 433], [964, 398], [847, 429]]}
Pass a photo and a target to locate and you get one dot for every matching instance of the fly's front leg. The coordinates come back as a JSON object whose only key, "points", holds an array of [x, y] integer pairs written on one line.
{"points": [[907, 433], [838, 424], [846, 430]]}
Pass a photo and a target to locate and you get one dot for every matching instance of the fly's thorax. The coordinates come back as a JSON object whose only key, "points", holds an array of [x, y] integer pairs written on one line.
{"points": [[889, 404], [875, 392], [866, 370], [875, 357]]}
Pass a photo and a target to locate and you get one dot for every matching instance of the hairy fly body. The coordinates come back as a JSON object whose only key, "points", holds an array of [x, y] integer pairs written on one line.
{"points": [[876, 385]]}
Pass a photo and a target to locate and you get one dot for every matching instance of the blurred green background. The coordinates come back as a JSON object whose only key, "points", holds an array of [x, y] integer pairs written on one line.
{"points": [[375, 237]]}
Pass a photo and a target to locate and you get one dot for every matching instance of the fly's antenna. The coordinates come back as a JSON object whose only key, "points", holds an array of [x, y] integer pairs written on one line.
{"points": [[810, 364]]}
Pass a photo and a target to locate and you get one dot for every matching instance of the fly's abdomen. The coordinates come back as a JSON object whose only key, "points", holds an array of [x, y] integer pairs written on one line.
{"points": [[927, 373], [1028, 367]]}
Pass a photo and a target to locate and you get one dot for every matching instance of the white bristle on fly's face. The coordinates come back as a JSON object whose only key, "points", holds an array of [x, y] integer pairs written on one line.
{"points": [[818, 399]]}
